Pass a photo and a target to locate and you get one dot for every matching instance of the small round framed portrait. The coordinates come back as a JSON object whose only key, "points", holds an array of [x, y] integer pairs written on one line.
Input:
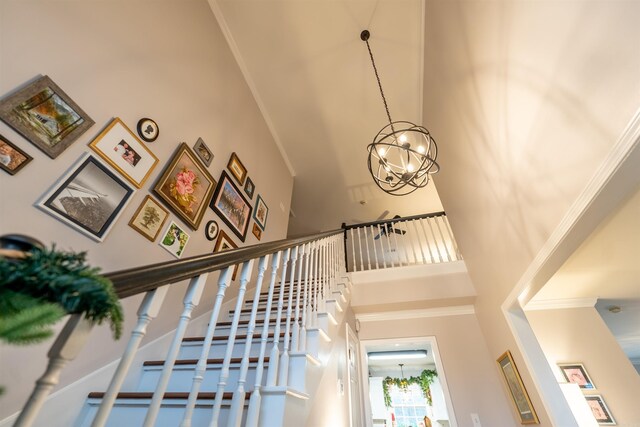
{"points": [[211, 230], [148, 129]]}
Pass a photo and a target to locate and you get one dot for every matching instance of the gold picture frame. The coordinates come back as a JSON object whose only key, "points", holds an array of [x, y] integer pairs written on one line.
{"points": [[123, 151], [237, 169], [185, 186], [519, 396], [149, 218]]}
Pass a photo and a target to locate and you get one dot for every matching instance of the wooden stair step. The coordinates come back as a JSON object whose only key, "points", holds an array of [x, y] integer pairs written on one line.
{"points": [[209, 361], [228, 395]]}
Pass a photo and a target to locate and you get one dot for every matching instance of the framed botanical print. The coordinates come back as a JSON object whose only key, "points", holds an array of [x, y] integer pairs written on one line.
{"points": [[12, 158], [600, 410], [119, 147], [186, 186], [237, 169], [149, 218], [174, 240], [261, 212], [231, 206], [224, 243], [518, 392], [576, 373], [203, 152], [45, 115], [256, 231], [88, 198], [249, 188]]}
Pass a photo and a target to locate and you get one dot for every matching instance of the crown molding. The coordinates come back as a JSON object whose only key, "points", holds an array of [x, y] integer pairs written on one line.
{"points": [[459, 310], [558, 304]]}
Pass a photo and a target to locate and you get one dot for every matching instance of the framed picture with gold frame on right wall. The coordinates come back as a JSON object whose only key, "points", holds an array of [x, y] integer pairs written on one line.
{"points": [[518, 392]]}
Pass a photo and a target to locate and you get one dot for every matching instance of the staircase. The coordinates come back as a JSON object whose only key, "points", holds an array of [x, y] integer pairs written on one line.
{"points": [[246, 363]]}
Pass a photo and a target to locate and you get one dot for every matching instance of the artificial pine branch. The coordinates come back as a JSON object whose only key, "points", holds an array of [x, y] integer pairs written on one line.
{"points": [[30, 325]]}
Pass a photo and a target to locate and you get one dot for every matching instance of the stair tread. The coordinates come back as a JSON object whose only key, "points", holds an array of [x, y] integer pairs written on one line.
{"points": [[195, 361], [226, 337], [167, 395]]}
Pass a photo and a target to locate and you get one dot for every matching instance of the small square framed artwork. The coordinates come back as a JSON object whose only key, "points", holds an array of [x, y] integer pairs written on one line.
{"points": [[149, 218], [576, 373], [256, 231], [600, 410], [45, 115], [249, 188], [119, 147], [237, 169], [260, 213], [203, 152], [224, 243], [174, 240], [88, 198], [12, 158]]}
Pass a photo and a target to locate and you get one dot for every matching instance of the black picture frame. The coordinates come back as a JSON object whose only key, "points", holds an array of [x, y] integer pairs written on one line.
{"points": [[12, 158], [211, 230], [231, 206], [249, 188], [148, 129]]}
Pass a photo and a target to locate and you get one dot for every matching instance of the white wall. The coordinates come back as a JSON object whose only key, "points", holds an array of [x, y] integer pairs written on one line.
{"points": [[130, 59], [525, 99]]}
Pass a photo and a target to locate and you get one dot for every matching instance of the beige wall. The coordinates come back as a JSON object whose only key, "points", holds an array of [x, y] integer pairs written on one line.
{"points": [[470, 370], [579, 335], [525, 100], [166, 60]]}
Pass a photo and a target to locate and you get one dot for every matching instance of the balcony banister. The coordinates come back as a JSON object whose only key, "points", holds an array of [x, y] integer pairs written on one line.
{"points": [[392, 220]]}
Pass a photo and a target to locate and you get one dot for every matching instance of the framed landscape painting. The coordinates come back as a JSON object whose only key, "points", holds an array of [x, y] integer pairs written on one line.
{"points": [[149, 218], [261, 212], [519, 395], [88, 198], [12, 158], [119, 147], [231, 206], [186, 186], [45, 115]]}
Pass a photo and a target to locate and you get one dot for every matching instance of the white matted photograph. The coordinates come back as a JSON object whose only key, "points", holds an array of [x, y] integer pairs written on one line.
{"points": [[174, 239]]}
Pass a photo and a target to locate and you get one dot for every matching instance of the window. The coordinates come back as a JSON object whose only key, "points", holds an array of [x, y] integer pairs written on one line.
{"points": [[410, 406]]}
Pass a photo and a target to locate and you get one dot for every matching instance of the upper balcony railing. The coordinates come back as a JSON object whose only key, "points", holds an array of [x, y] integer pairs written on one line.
{"points": [[398, 242]]}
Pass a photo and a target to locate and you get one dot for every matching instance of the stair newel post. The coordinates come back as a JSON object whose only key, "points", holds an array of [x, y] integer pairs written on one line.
{"points": [[283, 369], [223, 283], [302, 336], [147, 311], [65, 348], [254, 402], [274, 356], [190, 301], [296, 316], [237, 403], [245, 276]]}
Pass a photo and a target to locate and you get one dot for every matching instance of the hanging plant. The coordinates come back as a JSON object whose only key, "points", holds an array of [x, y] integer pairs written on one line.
{"points": [[46, 284], [424, 380]]}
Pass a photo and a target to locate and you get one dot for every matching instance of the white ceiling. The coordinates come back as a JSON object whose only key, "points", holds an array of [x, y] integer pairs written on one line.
{"points": [[313, 80]]}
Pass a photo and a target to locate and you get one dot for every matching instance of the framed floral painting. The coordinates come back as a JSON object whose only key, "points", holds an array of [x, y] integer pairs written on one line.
{"points": [[174, 240], [119, 147], [261, 212], [186, 186], [231, 206], [45, 115], [149, 218]]}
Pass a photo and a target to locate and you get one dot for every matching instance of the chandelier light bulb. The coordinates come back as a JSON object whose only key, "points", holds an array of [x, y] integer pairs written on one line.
{"points": [[410, 167], [421, 149], [381, 151], [403, 138]]}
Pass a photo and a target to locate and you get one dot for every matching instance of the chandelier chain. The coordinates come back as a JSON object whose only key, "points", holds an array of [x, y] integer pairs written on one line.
{"points": [[375, 70]]}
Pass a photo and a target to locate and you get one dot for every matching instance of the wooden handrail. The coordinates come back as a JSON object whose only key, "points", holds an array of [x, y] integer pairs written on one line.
{"points": [[392, 220], [142, 279]]}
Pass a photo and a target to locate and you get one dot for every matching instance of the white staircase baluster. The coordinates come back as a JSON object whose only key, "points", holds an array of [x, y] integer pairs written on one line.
{"points": [[444, 242], [384, 258], [443, 245], [360, 245], [413, 224], [191, 300], [223, 282], [426, 237], [253, 411], [413, 244], [274, 359], [354, 267], [453, 240], [302, 340], [375, 251], [147, 311], [388, 239], [404, 245], [283, 370], [435, 239], [366, 243], [237, 403], [65, 348], [395, 239], [245, 276], [296, 316]]}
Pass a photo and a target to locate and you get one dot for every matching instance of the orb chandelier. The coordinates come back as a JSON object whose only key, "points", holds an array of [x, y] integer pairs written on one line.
{"points": [[402, 155]]}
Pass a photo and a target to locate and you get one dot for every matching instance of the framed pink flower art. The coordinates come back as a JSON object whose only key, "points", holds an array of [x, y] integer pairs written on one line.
{"points": [[186, 186]]}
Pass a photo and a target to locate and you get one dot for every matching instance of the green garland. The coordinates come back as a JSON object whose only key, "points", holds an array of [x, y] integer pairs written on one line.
{"points": [[424, 380], [46, 277]]}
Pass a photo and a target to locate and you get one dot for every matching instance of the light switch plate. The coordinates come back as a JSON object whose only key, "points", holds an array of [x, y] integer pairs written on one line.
{"points": [[475, 419]]}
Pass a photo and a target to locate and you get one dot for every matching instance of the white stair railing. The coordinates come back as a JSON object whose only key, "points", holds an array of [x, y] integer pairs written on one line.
{"points": [[400, 242], [283, 367], [274, 356]]}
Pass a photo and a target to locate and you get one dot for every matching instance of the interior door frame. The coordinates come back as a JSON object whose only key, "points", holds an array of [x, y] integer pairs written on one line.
{"points": [[353, 337]]}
